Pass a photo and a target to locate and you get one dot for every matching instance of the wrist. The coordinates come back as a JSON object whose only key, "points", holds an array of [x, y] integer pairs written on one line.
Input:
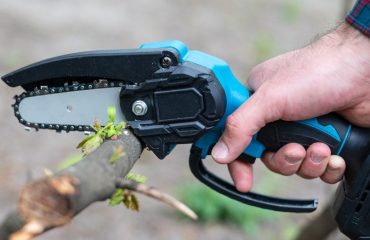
{"points": [[348, 32], [352, 48], [348, 36], [348, 49]]}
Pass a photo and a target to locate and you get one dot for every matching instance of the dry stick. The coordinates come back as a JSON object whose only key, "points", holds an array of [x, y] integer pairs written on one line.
{"points": [[156, 194], [51, 202]]}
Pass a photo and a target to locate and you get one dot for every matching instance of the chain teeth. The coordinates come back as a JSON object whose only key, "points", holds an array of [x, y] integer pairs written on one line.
{"points": [[43, 90]]}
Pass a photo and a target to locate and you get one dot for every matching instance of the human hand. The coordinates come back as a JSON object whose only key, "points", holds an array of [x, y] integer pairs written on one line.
{"points": [[330, 75]]}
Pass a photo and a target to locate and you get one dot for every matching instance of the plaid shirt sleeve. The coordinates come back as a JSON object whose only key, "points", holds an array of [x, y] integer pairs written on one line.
{"points": [[359, 17]]}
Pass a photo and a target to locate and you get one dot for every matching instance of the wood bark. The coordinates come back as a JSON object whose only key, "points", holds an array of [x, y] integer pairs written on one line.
{"points": [[53, 201]]}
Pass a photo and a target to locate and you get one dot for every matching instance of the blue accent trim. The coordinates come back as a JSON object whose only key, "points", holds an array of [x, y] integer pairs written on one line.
{"points": [[344, 139], [328, 129]]}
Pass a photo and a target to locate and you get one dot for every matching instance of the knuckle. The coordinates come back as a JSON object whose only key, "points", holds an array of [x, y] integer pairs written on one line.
{"points": [[234, 124], [276, 168], [257, 71], [285, 169]]}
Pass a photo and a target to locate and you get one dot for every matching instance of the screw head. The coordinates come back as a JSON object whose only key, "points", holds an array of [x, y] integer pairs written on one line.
{"points": [[166, 62], [139, 108], [69, 108]]}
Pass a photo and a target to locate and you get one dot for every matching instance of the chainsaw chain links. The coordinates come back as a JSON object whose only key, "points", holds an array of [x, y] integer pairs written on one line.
{"points": [[44, 90]]}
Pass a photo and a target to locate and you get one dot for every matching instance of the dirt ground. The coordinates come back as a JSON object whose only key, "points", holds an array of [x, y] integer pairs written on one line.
{"points": [[241, 32]]}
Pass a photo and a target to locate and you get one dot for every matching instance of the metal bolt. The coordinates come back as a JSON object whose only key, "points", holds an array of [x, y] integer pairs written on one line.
{"points": [[69, 108], [166, 62], [139, 108]]}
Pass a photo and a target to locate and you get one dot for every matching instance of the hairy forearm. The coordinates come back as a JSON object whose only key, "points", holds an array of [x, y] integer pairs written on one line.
{"points": [[350, 36]]}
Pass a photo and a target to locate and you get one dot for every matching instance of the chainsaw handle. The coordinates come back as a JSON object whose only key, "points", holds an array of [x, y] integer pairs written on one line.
{"points": [[250, 198], [343, 139]]}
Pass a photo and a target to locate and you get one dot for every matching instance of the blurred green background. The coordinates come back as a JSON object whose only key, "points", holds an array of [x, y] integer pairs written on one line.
{"points": [[242, 32]]}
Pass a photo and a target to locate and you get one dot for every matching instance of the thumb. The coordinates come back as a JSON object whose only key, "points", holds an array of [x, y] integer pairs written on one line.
{"points": [[240, 128], [259, 75]]}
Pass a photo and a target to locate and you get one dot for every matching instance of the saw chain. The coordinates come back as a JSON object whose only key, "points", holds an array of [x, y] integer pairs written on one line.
{"points": [[45, 90]]}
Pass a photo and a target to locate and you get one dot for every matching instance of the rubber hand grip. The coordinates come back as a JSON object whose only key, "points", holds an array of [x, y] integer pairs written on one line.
{"points": [[348, 141]]}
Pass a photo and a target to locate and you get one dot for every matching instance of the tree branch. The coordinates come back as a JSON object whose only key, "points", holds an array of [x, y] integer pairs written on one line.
{"points": [[51, 202]]}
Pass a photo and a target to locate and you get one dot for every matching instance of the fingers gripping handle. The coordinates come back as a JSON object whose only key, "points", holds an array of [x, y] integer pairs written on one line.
{"points": [[350, 142], [329, 129]]}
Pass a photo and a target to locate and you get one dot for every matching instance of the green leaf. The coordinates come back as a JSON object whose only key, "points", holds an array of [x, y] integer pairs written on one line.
{"points": [[91, 144], [111, 131], [84, 141], [70, 161], [136, 177], [125, 197], [120, 126], [117, 153], [116, 198], [111, 113]]}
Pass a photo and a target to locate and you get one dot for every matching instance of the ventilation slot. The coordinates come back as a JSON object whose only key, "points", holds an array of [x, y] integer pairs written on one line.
{"points": [[358, 207], [368, 186], [363, 196]]}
